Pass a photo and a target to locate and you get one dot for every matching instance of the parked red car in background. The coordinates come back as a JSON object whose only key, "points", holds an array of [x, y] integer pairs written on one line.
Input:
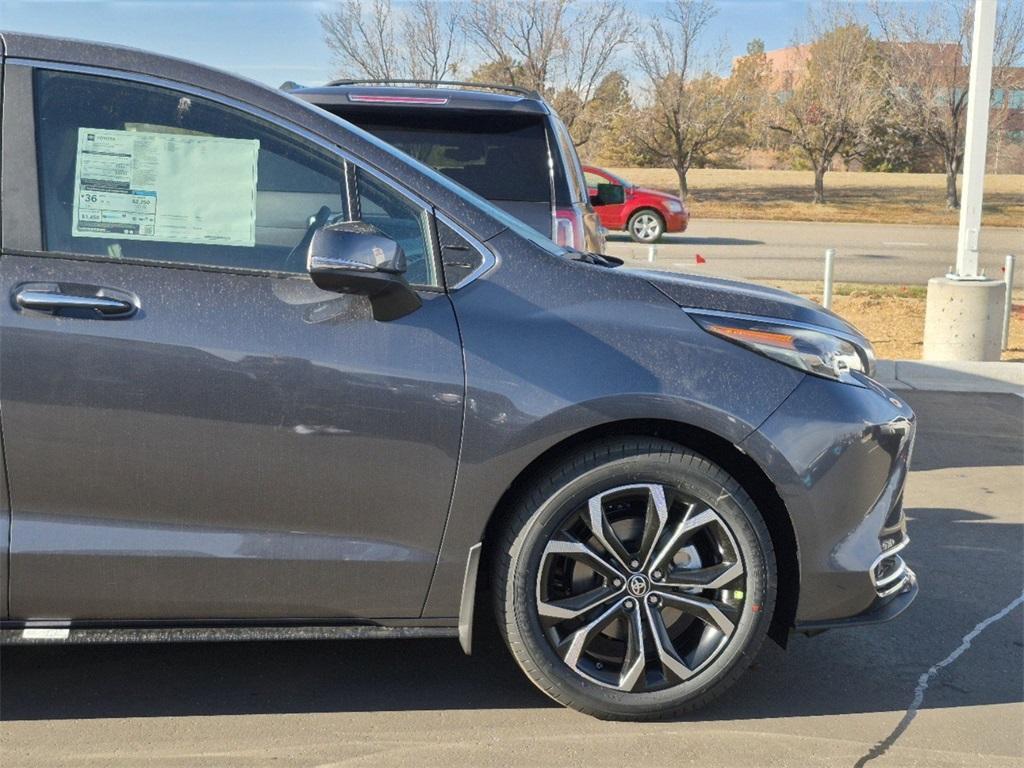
{"points": [[646, 214]]}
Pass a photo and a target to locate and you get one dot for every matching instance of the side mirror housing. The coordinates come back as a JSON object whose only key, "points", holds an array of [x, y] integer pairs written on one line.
{"points": [[357, 258]]}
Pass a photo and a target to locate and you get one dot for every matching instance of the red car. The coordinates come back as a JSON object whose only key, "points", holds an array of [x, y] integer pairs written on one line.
{"points": [[646, 214]]}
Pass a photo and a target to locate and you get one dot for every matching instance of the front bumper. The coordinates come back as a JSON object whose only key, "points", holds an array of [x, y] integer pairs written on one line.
{"points": [[881, 610], [839, 457], [676, 222]]}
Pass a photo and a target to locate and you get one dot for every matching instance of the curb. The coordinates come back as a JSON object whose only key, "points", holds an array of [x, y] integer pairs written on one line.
{"points": [[931, 376]]}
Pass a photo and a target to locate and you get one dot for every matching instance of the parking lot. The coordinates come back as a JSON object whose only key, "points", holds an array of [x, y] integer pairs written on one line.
{"points": [[838, 699]]}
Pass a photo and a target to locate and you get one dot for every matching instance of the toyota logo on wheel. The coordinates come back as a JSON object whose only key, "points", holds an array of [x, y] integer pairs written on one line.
{"points": [[637, 585]]}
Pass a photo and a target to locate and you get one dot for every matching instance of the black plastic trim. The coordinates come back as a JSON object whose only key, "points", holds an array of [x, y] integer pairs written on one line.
{"points": [[882, 610]]}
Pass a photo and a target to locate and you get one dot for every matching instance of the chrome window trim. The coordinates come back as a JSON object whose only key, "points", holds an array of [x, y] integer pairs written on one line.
{"points": [[262, 114], [489, 259]]}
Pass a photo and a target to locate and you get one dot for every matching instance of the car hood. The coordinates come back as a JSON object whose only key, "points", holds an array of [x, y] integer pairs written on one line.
{"points": [[712, 293]]}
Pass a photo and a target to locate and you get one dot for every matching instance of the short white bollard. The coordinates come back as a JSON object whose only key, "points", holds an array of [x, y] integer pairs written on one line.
{"points": [[830, 259], [1008, 301], [652, 253]]}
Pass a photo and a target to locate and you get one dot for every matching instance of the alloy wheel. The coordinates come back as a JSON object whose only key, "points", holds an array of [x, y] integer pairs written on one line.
{"points": [[646, 227], [641, 588]]}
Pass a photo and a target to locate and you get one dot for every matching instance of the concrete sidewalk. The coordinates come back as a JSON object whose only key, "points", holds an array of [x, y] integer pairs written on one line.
{"points": [[930, 376]]}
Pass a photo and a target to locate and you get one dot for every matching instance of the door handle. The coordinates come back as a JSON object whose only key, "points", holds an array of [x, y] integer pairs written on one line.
{"points": [[85, 301]]}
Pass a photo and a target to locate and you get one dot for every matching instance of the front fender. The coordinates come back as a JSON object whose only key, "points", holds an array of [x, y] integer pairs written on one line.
{"points": [[554, 348]]}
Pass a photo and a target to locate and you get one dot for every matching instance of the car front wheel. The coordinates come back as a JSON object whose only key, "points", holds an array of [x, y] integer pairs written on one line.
{"points": [[637, 580], [646, 226]]}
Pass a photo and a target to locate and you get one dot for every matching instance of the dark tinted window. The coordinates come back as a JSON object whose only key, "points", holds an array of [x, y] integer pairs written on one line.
{"points": [[499, 156]]}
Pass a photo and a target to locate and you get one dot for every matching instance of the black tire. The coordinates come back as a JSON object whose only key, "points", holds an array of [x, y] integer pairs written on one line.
{"points": [[563, 497], [646, 226]]}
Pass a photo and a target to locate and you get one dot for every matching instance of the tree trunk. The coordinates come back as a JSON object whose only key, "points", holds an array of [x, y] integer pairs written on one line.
{"points": [[952, 198], [684, 190], [819, 183]]}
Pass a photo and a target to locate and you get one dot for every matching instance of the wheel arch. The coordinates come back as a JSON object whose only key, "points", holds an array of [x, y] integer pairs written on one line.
{"points": [[719, 450], [644, 207]]}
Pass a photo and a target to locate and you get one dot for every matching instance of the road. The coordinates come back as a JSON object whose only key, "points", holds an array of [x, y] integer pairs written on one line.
{"points": [[833, 700], [868, 253]]}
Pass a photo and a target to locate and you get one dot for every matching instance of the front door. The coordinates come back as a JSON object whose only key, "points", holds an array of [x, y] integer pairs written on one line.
{"points": [[192, 429]]}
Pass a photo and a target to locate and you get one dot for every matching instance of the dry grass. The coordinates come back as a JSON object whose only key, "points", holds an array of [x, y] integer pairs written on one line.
{"points": [[892, 316], [889, 198]]}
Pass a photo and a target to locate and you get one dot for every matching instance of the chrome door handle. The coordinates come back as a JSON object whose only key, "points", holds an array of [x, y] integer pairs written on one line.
{"points": [[48, 300]]}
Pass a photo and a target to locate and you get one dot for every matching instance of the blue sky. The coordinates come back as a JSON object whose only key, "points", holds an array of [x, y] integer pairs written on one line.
{"points": [[277, 40]]}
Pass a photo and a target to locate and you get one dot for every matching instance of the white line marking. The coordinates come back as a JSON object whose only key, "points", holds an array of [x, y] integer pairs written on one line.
{"points": [[910, 243], [927, 677]]}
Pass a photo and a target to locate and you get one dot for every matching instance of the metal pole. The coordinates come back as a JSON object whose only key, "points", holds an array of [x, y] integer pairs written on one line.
{"points": [[652, 253], [980, 88], [830, 258], [1008, 301]]}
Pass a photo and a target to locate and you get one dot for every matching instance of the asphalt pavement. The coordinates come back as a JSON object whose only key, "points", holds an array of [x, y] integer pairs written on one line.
{"points": [[794, 250], [854, 697]]}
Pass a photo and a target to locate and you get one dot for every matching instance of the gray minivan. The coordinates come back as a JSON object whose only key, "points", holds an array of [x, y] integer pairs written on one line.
{"points": [[262, 375]]}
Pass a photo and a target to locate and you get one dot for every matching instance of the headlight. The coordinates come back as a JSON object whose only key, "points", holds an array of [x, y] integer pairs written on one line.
{"points": [[675, 206], [814, 351]]}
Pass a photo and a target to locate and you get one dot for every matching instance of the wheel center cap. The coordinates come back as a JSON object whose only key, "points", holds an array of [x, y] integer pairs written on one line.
{"points": [[638, 585]]}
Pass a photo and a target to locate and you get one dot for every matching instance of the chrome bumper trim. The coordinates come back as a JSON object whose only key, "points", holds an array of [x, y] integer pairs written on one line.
{"points": [[897, 579]]}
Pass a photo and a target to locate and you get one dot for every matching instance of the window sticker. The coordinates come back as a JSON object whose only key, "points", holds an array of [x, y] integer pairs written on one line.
{"points": [[142, 185]]}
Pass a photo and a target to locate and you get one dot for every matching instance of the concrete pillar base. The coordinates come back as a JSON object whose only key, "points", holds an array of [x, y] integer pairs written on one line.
{"points": [[963, 319]]}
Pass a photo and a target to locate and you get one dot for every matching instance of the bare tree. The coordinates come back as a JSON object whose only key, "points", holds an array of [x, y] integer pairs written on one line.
{"points": [[432, 39], [560, 48], [361, 39], [831, 103], [374, 40], [595, 36], [524, 38], [928, 49], [691, 112]]}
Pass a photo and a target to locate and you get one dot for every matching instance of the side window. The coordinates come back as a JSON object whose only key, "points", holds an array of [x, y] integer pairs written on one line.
{"points": [[401, 220], [593, 180], [130, 170]]}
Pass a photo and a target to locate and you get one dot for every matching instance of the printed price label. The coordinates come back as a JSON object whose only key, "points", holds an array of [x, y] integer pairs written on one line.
{"points": [[144, 185]]}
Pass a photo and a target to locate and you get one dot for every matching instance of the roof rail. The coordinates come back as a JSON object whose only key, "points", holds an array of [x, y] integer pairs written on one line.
{"points": [[527, 92]]}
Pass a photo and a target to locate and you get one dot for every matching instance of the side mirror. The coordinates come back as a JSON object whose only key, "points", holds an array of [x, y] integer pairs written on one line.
{"points": [[357, 258], [611, 194]]}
